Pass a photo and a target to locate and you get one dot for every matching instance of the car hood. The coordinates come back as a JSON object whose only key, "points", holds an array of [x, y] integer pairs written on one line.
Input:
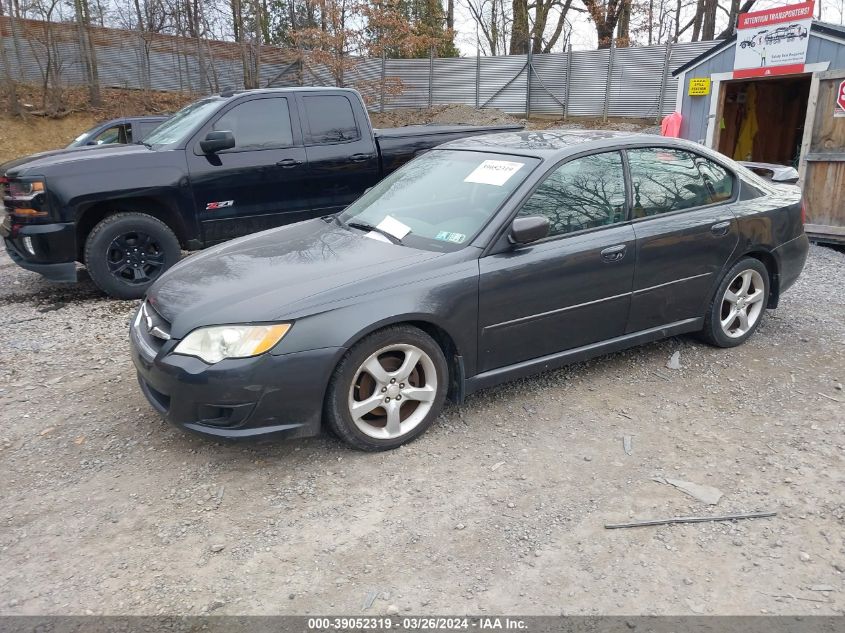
{"points": [[16, 162], [282, 273], [36, 163]]}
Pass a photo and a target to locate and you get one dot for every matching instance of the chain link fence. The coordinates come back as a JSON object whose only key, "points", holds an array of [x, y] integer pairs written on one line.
{"points": [[616, 82]]}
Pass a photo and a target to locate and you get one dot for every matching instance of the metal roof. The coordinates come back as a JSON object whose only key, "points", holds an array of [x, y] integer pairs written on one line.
{"points": [[826, 28]]}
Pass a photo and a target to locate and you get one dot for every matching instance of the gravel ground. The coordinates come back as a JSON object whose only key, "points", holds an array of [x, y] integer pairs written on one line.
{"points": [[500, 507]]}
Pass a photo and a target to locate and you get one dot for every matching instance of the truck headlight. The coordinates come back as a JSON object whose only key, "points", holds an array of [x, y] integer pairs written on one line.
{"points": [[213, 344]]}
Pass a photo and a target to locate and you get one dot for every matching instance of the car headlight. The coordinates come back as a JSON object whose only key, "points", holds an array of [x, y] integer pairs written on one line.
{"points": [[213, 344]]}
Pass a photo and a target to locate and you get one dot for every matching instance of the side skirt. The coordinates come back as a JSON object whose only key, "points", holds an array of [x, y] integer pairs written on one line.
{"points": [[555, 361]]}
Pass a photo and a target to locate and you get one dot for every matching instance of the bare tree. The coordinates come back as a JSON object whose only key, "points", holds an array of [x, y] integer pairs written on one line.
{"points": [[88, 50], [604, 14], [10, 83]]}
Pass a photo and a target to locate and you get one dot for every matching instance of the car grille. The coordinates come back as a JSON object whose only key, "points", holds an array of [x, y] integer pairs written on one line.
{"points": [[152, 329]]}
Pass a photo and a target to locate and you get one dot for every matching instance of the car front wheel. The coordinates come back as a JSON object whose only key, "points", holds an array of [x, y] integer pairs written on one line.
{"points": [[388, 389], [738, 305]]}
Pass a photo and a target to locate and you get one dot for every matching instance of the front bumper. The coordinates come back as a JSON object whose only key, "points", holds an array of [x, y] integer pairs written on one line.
{"points": [[236, 398], [54, 247]]}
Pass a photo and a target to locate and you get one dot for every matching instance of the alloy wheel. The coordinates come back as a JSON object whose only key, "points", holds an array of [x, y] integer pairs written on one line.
{"points": [[393, 391], [742, 304], [135, 258]]}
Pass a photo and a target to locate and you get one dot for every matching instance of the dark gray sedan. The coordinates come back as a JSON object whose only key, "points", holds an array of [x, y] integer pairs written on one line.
{"points": [[485, 260]]}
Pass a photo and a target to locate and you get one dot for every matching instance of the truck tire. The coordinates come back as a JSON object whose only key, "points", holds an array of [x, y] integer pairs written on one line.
{"points": [[126, 252]]}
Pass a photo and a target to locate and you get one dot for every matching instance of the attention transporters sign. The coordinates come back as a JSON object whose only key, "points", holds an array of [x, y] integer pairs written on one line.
{"points": [[772, 42]]}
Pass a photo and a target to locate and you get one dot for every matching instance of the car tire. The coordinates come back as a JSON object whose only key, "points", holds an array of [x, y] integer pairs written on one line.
{"points": [[738, 305], [398, 377], [126, 252]]}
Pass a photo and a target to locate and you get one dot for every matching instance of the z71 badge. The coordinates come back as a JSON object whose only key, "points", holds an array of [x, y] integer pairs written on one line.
{"points": [[211, 206]]}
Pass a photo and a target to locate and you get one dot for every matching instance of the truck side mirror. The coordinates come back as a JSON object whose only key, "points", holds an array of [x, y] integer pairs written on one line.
{"points": [[217, 141], [528, 229]]}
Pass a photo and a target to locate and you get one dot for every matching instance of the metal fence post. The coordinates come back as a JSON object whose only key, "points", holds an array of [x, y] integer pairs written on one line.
{"points": [[431, 76], [568, 82], [383, 79], [477, 78], [667, 60], [609, 83], [528, 82]]}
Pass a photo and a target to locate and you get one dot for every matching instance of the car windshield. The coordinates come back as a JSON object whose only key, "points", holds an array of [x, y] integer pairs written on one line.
{"points": [[182, 123], [440, 200]]}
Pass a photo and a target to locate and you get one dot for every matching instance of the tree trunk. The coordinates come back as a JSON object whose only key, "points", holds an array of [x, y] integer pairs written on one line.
{"points": [[623, 25], [11, 84], [697, 20], [87, 50], [708, 23], [519, 30]]}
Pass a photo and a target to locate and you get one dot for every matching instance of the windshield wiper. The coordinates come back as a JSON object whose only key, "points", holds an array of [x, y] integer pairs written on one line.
{"points": [[369, 227]]}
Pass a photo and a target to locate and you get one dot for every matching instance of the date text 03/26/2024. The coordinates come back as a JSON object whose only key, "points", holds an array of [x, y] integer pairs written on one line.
{"points": [[413, 623]]}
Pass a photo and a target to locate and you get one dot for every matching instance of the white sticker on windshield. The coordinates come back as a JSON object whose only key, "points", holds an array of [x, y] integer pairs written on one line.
{"points": [[494, 172], [377, 236], [394, 227]]}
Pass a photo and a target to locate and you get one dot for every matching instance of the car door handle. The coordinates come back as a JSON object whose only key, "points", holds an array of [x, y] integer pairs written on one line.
{"points": [[288, 162], [614, 253], [360, 158], [721, 228]]}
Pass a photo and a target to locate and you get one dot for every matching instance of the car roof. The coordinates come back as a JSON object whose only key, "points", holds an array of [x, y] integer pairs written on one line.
{"points": [[126, 119], [558, 144]]}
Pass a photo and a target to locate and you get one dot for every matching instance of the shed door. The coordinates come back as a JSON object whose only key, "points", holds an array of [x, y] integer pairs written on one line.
{"points": [[823, 158]]}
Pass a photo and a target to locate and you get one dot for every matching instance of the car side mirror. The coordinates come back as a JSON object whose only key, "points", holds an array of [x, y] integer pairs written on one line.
{"points": [[528, 229], [217, 141]]}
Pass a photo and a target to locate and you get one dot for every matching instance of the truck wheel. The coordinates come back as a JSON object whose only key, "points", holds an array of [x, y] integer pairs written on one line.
{"points": [[126, 252]]}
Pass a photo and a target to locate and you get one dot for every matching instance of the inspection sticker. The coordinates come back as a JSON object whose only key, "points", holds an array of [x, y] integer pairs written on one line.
{"points": [[446, 236], [494, 172]]}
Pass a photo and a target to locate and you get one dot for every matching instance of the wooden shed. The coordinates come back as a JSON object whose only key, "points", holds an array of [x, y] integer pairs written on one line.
{"points": [[794, 116]]}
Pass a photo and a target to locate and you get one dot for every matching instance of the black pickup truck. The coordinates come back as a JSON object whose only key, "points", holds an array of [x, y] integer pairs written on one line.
{"points": [[222, 167]]}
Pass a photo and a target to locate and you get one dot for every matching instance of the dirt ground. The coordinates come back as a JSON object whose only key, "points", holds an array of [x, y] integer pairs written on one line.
{"points": [[499, 508]]}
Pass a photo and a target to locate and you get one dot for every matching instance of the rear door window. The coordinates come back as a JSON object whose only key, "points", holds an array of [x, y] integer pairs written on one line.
{"points": [[331, 119], [258, 124], [666, 179]]}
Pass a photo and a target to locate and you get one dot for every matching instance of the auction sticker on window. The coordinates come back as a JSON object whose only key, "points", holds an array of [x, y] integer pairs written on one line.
{"points": [[393, 226], [494, 172]]}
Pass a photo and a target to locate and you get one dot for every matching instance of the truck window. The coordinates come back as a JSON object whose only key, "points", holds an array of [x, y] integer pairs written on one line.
{"points": [[258, 124], [330, 119]]}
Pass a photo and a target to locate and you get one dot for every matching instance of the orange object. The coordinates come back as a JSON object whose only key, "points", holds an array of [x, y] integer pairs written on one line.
{"points": [[671, 125]]}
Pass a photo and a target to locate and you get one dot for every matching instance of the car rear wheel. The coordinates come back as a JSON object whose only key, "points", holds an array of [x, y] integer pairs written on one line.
{"points": [[388, 389], [126, 252], [738, 305]]}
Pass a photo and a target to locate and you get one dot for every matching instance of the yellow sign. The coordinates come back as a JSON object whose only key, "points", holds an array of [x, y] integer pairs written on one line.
{"points": [[699, 87]]}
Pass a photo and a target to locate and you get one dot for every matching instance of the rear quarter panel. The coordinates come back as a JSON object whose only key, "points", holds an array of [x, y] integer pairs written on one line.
{"points": [[771, 224]]}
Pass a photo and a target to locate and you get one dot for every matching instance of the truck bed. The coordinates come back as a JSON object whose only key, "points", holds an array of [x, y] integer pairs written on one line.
{"points": [[398, 145]]}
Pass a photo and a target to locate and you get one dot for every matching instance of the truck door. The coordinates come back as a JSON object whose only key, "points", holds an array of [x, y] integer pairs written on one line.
{"points": [[259, 183], [342, 157]]}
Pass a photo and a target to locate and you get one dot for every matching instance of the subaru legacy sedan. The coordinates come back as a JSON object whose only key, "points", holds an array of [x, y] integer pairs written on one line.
{"points": [[485, 260]]}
